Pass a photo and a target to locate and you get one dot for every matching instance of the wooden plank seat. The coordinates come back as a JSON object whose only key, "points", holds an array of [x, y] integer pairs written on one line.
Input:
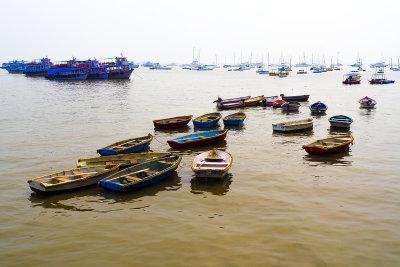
{"points": [[148, 172], [62, 179], [132, 178]]}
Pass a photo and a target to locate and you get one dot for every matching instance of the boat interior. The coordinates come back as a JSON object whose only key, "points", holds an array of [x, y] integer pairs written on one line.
{"points": [[71, 175]]}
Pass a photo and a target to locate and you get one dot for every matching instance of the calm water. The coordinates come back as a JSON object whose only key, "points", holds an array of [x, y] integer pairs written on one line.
{"points": [[278, 207]]}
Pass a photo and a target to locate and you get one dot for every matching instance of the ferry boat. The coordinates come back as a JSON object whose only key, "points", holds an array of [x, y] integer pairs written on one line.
{"points": [[95, 70], [119, 69], [68, 70], [36, 68], [379, 78], [158, 66], [352, 78]]}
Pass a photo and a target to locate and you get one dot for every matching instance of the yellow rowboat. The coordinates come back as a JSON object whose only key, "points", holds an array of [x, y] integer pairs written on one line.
{"points": [[253, 101], [123, 159]]}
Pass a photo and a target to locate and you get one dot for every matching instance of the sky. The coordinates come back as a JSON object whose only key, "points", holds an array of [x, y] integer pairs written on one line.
{"points": [[169, 31]]}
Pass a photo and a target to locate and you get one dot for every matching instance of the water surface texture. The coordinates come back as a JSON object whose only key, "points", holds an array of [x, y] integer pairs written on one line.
{"points": [[278, 206]]}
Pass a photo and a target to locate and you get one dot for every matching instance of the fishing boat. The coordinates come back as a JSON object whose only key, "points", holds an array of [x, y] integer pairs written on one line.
{"points": [[301, 72], [67, 70], [340, 121], [123, 159], [172, 123], [141, 175], [278, 103], [234, 119], [318, 108], [207, 120], [294, 126], [268, 101], [198, 139], [329, 145], [95, 70], [253, 101], [367, 102], [379, 78], [290, 106], [72, 179], [126, 146], [283, 74], [300, 98], [352, 78], [212, 164]]}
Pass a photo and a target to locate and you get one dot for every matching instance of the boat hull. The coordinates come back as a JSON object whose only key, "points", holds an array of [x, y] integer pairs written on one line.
{"points": [[293, 126], [321, 151], [233, 122], [107, 152], [120, 74], [299, 98], [77, 76], [230, 105], [205, 124], [97, 76], [201, 142]]}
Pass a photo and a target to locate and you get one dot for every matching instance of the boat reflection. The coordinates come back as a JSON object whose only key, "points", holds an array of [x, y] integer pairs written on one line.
{"points": [[217, 187], [335, 130], [88, 199], [340, 159], [235, 127], [206, 129], [221, 145], [184, 129], [295, 133]]}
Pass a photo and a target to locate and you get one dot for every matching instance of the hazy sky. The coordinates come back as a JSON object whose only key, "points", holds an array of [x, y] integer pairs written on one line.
{"points": [[166, 31]]}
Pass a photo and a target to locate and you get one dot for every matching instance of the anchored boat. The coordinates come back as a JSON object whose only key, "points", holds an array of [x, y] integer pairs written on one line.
{"points": [[318, 108], [207, 120], [126, 146], [172, 123], [198, 139], [123, 159], [291, 106], [300, 98], [212, 164], [142, 174], [367, 102], [329, 145], [268, 101], [293, 126], [340, 121], [72, 179], [234, 119]]}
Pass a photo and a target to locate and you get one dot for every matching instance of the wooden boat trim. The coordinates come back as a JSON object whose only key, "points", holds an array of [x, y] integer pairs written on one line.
{"points": [[294, 123], [204, 118], [187, 140], [235, 116]]}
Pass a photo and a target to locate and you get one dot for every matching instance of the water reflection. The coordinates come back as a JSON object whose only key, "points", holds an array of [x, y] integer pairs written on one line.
{"points": [[339, 159], [206, 129], [294, 133], [235, 127], [184, 129], [82, 199], [217, 187], [340, 131]]}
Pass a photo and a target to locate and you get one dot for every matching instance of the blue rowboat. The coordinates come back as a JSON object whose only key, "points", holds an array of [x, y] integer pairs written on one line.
{"points": [[340, 121], [126, 146], [198, 139], [235, 118], [318, 108], [291, 106], [207, 120], [143, 174]]}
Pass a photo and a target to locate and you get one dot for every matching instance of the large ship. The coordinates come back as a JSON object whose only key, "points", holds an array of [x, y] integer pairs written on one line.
{"points": [[38, 68], [95, 69], [68, 70], [14, 67]]}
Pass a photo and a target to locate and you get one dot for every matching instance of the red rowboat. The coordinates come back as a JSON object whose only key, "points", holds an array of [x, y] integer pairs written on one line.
{"points": [[172, 123], [329, 145], [278, 103]]}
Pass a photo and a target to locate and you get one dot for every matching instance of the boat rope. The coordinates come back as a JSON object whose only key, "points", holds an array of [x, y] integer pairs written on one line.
{"points": [[137, 75], [157, 139]]}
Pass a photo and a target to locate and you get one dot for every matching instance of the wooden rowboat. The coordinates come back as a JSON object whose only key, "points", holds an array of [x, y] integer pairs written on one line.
{"points": [[340, 121], [207, 120], [318, 108], [172, 123], [237, 99], [367, 102], [235, 118], [300, 98], [198, 139], [329, 145], [292, 126], [142, 174], [72, 179], [126, 146], [212, 164], [291, 106], [123, 159], [253, 101]]}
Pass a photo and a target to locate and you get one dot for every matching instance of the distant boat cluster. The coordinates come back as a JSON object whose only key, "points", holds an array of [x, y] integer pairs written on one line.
{"points": [[114, 68]]}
